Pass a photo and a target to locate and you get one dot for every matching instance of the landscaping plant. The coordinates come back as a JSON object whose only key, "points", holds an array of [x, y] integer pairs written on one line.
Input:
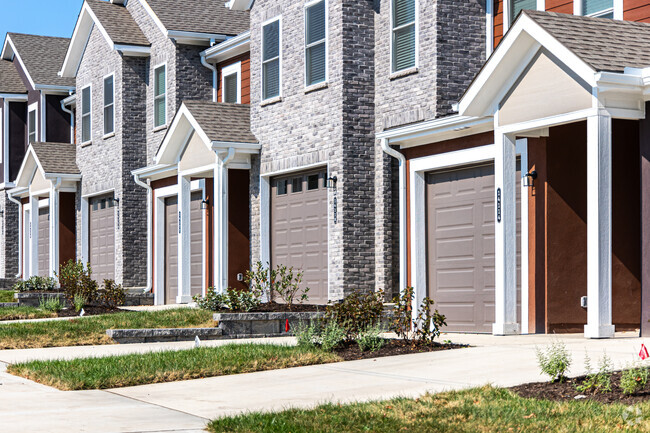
{"points": [[259, 281], [36, 284], [75, 279], [554, 361], [370, 339], [356, 312], [50, 303], [286, 285], [427, 325], [307, 334], [634, 379], [332, 336], [402, 319], [233, 300], [79, 302], [113, 294], [599, 381]]}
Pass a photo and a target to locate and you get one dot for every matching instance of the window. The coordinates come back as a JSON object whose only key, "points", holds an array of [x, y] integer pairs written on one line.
{"points": [[598, 8], [86, 124], [281, 187], [109, 105], [160, 96], [271, 60], [315, 43], [231, 83], [312, 182], [403, 39], [296, 184], [517, 6], [31, 125]]}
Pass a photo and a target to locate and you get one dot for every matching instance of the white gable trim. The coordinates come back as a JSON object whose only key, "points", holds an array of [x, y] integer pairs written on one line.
{"points": [[239, 5], [169, 143], [153, 16]]}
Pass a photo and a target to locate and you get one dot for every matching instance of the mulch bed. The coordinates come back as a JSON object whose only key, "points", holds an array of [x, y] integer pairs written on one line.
{"points": [[350, 351], [274, 307], [566, 391]]}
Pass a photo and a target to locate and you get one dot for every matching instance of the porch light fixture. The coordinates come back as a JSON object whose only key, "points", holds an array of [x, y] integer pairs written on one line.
{"points": [[204, 204], [331, 182], [529, 179]]}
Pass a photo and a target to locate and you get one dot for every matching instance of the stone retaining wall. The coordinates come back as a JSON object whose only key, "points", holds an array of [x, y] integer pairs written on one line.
{"points": [[129, 336], [243, 325]]}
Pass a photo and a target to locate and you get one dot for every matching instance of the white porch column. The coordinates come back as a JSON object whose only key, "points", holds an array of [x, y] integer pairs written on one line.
{"points": [[599, 227], [220, 241], [505, 248], [33, 236], [184, 245], [54, 231]]}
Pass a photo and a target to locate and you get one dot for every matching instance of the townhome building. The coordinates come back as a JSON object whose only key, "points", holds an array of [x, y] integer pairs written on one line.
{"points": [[32, 110]]}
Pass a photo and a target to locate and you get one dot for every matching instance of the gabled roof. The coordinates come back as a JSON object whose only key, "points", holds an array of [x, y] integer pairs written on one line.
{"points": [[10, 81], [199, 16], [57, 158], [40, 56], [602, 43], [223, 122], [117, 26]]}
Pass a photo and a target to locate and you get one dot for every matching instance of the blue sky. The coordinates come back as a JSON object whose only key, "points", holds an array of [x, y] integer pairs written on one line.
{"points": [[40, 17]]}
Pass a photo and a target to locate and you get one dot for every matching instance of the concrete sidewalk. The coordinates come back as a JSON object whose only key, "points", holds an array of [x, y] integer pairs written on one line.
{"points": [[187, 406]]}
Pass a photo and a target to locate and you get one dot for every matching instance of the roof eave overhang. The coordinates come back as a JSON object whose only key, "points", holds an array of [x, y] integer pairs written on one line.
{"points": [[19, 192], [63, 176], [14, 96], [248, 148], [195, 38], [436, 130], [228, 49], [157, 171], [239, 5], [53, 88]]}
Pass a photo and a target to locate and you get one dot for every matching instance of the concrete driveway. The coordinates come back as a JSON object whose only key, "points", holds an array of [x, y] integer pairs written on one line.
{"points": [[187, 406]]}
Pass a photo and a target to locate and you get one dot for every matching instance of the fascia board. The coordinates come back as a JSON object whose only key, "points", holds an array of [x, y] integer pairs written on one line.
{"points": [[230, 48], [14, 96], [7, 50]]}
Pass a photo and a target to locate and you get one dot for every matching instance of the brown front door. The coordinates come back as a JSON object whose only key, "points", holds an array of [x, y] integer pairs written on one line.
{"points": [[299, 229], [44, 242], [460, 246], [171, 249], [196, 244], [102, 238]]}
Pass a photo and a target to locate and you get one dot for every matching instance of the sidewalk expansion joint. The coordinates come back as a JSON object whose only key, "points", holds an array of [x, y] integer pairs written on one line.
{"points": [[154, 404]]}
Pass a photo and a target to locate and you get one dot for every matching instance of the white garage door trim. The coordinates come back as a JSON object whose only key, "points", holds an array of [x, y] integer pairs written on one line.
{"points": [[159, 235], [417, 173]]}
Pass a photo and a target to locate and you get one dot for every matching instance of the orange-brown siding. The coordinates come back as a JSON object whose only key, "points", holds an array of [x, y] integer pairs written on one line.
{"points": [[245, 77], [636, 10]]}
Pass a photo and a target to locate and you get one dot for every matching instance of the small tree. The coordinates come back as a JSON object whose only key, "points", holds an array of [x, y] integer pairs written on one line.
{"points": [[75, 279]]}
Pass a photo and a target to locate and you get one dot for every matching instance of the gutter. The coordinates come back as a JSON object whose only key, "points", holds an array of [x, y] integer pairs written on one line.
{"points": [[11, 197], [147, 186], [403, 249], [213, 68]]}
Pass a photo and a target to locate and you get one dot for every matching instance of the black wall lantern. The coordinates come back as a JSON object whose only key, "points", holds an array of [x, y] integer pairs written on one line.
{"points": [[204, 204], [529, 179], [331, 182]]}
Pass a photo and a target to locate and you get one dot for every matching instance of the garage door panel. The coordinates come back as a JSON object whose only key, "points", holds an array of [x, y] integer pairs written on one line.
{"points": [[102, 237], [43, 242]]}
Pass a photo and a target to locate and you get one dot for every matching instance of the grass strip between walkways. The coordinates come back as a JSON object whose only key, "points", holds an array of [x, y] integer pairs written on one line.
{"points": [[24, 313], [92, 330], [167, 366], [7, 296], [477, 410]]}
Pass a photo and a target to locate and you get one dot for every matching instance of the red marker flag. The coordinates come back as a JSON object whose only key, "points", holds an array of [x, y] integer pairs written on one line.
{"points": [[287, 328], [643, 354]]}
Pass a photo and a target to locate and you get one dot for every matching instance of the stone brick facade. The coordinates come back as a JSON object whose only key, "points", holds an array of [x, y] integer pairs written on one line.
{"points": [[8, 237]]}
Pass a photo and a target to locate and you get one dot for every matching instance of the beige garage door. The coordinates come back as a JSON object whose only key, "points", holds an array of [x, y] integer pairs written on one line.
{"points": [[102, 237], [299, 229], [460, 246], [44, 242], [171, 247]]}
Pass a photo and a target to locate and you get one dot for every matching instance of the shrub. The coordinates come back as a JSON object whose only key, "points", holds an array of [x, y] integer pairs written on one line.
{"points": [[283, 282], [332, 336], [259, 280], [402, 319], [428, 324], [634, 379], [600, 381], [75, 279], [50, 303], [233, 300], [212, 301], [113, 294], [36, 284], [307, 334], [79, 302], [370, 339], [356, 312], [554, 361]]}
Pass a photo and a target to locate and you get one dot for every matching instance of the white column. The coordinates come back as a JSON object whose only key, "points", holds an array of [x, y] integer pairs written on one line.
{"points": [[599, 227], [184, 245], [54, 231], [505, 247], [220, 216], [33, 236]]}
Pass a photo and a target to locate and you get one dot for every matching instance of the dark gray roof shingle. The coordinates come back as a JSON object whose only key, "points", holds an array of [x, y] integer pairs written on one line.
{"points": [[200, 16], [60, 158], [223, 122], [602, 43], [118, 23], [43, 57], [10, 81]]}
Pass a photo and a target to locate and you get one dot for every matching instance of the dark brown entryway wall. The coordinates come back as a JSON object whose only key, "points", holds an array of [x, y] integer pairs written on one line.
{"points": [[67, 222], [238, 227]]}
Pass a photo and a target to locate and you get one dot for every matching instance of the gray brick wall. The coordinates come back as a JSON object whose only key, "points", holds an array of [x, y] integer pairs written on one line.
{"points": [[8, 237]]}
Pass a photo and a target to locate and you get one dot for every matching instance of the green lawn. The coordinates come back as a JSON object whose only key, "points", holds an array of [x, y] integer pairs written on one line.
{"points": [[156, 367], [21, 313], [7, 296], [92, 330], [478, 410]]}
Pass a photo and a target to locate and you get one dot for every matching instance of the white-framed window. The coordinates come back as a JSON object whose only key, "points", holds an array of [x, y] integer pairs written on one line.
{"points": [[271, 58], [32, 123], [517, 6], [403, 45], [160, 96], [231, 83], [315, 42], [597, 8], [109, 104], [86, 114]]}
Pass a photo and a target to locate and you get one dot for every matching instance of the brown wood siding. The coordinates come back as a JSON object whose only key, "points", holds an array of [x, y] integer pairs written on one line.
{"points": [[17, 136], [561, 6], [57, 121], [245, 77], [67, 224], [636, 10], [238, 226]]}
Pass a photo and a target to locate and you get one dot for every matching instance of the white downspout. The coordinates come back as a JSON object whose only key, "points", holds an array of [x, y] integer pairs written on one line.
{"points": [[213, 68], [20, 233], [403, 253], [146, 186], [63, 107]]}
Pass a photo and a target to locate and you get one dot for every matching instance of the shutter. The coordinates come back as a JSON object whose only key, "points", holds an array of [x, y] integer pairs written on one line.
{"points": [[271, 40], [403, 12], [230, 88], [315, 30], [519, 5], [404, 48], [594, 6], [271, 82], [316, 64]]}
